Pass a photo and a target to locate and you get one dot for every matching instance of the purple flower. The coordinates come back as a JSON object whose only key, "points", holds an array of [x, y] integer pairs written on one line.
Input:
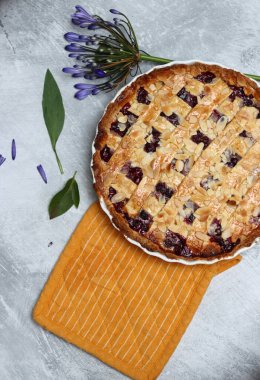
{"points": [[75, 37], [85, 89], [13, 149], [76, 48], [82, 18], [115, 12], [100, 73], [2, 159], [76, 72], [42, 173], [93, 26]]}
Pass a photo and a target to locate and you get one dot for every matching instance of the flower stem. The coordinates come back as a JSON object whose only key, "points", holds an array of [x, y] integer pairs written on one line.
{"points": [[58, 162], [255, 77], [151, 58]]}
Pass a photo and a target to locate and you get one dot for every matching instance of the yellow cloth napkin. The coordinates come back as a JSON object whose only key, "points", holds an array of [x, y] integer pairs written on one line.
{"points": [[111, 299]]}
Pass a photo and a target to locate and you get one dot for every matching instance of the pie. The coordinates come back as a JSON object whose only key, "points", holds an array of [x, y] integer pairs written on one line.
{"points": [[176, 161]]}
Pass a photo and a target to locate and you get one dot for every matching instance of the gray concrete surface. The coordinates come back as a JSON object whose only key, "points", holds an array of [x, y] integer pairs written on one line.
{"points": [[223, 340]]}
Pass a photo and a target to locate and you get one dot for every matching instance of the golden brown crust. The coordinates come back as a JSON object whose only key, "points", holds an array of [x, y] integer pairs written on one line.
{"points": [[239, 119]]}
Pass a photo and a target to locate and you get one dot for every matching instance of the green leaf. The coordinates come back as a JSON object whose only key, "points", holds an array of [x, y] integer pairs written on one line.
{"points": [[75, 194], [53, 111], [65, 199]]}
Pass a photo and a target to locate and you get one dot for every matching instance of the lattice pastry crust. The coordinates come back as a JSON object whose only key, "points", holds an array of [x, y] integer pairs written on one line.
{"points": [[177, 161]]}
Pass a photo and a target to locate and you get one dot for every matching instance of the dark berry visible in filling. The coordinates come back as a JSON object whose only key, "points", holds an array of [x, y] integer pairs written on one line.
{"points": [[232, 158], [173, 118], [142, 96], [120, 128], [192, 205], [200, 137], [118, 205], [173, 163], [161, 189], [111, 192], [141, 223], [154, 143], [206, 77], [189, 219], [243, 133], [186, 169], [226, 245], [205, 182], [255, 219], [216, 115], [190, 99], [177, 243], [106, 153], [125, 109], [247, 135], [215, 228], [134, 173], [239, 91]]}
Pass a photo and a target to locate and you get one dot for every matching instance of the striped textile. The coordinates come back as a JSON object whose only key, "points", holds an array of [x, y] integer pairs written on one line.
{"points": [[112, 300]]}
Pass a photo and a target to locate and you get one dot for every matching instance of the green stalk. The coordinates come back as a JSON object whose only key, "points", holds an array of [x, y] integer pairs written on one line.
{"points": [[255, 77], [151, 58], [58, 162]]}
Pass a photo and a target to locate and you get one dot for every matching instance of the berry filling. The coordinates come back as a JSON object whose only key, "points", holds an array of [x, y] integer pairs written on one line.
{"points": [[177, 243], [143, 96], [190, 99], [125, 110], [230, 158], [154, 142], [239, 92], [187, 167], [191, 207], [140, 224], [247, 135], [200, 137], [216, 115], [106, 153], [226, 245], [215, 228], [205, 183], [111, 192], [122, 128], [118, 205], [255, 219], [189, 219], [173, 163], [135, 174], [162, 190], [206, 77], [173, 118]]}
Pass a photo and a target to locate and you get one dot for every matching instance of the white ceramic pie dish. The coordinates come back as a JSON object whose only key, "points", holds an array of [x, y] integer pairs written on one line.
{"points": [[105, 209]]}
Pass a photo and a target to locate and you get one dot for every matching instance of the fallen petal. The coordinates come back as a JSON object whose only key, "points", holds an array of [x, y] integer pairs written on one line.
{"points": [[13, 149], [42, 173], [2, 159]]}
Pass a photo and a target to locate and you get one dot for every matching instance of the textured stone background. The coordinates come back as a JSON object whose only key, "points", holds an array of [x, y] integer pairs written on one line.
{"points": [[223, 340]]}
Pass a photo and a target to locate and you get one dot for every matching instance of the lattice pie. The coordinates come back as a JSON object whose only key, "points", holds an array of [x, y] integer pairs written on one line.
{"points": [[177, 161]]}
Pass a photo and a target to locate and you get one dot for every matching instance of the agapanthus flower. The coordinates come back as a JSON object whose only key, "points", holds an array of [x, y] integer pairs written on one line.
{"points": [[82, 18], [106, 58], [42, 173], [2, 159]]}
